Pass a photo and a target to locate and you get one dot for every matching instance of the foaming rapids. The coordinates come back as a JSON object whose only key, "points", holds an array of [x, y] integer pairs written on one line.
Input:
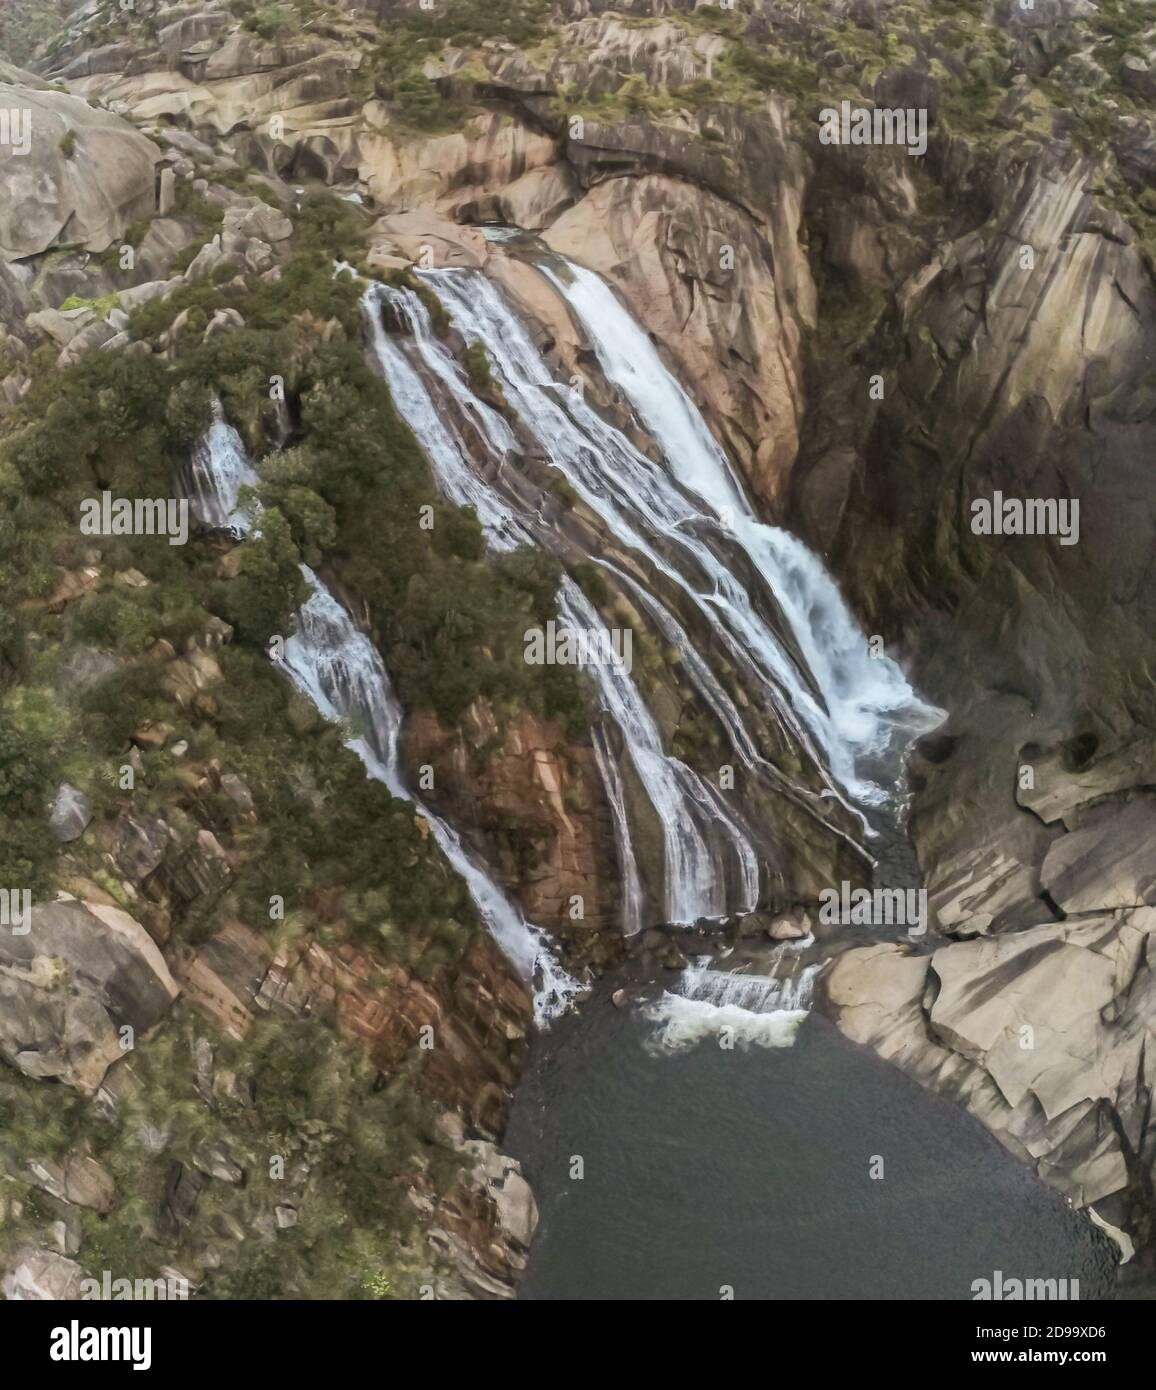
{"points": [[746, 1010]]}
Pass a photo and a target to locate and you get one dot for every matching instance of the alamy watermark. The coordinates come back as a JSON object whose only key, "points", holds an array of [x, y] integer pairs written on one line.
{"points": [[107, 1289], [874, 907], [16, 129], [107, 515], [874, 125], [560, 645], [1003, 1288], [77, 1343], [1027, 516], [16, 910]]}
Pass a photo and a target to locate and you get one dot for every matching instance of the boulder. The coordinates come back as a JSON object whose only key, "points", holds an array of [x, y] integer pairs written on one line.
{"points": [[258, 221], [1138, 77], [42, 1275], [92, 335], [237, 790], [1107, 862], [79, 1180], [86, 175], [204, 262], [516, 1207], [68, 986], [70, 814], [60, 326], [164, 240], [140, 844]]}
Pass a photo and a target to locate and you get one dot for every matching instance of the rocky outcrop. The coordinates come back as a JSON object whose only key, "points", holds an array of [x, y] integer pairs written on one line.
{"points": [[1045, 1035], [534, 809], [1104, 863], [85, 176], [1019, 367], [1013, 362], [483, 1226], [79, 1180], [42, 1275], [76, 990], [465, 1030], [468, 1030], [490, 157]]}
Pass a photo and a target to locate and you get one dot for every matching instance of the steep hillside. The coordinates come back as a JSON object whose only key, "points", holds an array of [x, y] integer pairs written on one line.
{"points": [[877, 337]]}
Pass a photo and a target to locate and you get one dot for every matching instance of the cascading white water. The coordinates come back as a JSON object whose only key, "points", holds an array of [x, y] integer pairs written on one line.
{"points": [[685, 515], [340, 670], [662, 515], [758, 994], [696, 882], [627, 862], [692, 816], [338, 667], [865, 695], [759, 1009], [218, 468]]}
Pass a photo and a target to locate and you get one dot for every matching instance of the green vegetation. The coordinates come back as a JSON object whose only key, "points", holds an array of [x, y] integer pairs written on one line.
{"points": [[413, 36], [269, 21], [349, 862], [25, 26], [99, 306], [31, 747], [349, 1147], [469, 23], [353, 491]]}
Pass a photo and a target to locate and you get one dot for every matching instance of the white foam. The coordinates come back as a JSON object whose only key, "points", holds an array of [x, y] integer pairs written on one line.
{"points": [[681, 1024]]}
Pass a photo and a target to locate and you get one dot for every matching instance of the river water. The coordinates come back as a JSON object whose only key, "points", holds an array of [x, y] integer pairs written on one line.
{"points": [[706, 1169]]}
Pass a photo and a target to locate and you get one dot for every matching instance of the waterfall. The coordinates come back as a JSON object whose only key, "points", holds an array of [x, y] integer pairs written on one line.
{"points": [[340, 670], [696, 885], [687, 516], [218, 468], [698, 829], [684, 523], [865, 696], [759, 1009], [627, 863]]}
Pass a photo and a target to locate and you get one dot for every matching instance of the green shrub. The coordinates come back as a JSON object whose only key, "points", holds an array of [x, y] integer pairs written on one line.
{"points": [[476, 361], [272, 22], [269, 588]]}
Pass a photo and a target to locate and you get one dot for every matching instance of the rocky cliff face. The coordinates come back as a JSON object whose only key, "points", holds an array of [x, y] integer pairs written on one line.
{"points": [[879, 339]]}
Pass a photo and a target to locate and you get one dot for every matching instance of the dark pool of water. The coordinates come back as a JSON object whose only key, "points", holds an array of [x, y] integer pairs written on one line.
{"points": [[751, 1170]]}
